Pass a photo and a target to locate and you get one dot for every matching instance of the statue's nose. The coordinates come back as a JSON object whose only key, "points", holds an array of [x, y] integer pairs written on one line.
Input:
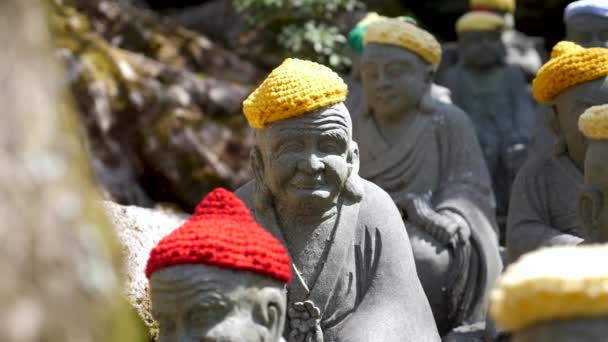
{"points": [[311, 164]]}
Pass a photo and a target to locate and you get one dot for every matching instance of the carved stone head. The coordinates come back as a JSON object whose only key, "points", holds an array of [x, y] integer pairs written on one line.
{"points": [[554, 294], [219, 277], [209, 303], [587, 23], [397, 67], [593, 200], [394, 79], [567, 107], [573, 80], [480, 39], [304, 157], [306, 162]]}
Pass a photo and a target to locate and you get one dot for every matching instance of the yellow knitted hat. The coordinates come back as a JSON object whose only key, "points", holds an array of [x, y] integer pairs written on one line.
{"points": [[570, 64], [496, 5], [551, 284], [594, 122], [294, 88], [479, 21], [399, 32]]}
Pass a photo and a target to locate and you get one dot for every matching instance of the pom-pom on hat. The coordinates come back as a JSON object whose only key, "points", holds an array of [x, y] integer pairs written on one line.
{"points": [[406, 34], [552, 284], [591, 7], [570, 64], [480, 20], [357, 35], [594, 122], [293, 88], [222, 233], [495, 5]]}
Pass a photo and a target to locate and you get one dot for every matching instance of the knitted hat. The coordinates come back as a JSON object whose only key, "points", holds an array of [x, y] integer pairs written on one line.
{"points": [[405, 34], [592, 7], [222, 233], [294, 88], [495, 5], [594, 122], [357, 35], [570, 64], [480, 20], [552, 284]]}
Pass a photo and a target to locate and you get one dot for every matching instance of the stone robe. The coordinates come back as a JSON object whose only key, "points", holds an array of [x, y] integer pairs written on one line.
{"points": [[439, 154], [367, 289], [543, 208]]}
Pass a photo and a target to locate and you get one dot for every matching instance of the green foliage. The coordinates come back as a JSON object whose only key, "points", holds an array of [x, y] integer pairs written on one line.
{"points": [[303, 28]]}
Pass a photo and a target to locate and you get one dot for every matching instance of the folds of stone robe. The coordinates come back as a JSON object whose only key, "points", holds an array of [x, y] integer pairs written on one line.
{"points": [[439, 154], [367, 289], [543, 205]]}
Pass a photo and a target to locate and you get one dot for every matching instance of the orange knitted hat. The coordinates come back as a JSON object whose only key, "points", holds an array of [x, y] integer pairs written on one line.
{"points": [[222, 232]]}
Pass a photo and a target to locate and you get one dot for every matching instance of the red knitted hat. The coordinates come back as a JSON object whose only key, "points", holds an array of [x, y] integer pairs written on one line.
{"points": [[222, 232]]}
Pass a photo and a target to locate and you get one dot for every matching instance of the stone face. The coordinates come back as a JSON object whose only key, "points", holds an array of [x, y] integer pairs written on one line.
{"points": [[138, 231], [592, 207]]}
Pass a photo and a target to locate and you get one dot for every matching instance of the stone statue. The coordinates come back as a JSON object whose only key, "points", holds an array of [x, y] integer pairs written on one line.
{"points": [[593, 199], [543, 202], [521, 51], [355, 101], [557, 294], [351, 255], [425, 155], [495, 97], [219, 277], [587, 25]]}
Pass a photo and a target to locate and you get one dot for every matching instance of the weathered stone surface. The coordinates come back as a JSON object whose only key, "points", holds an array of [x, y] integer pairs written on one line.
{"points": [[161, 105], [139, 230], [58, 257]]}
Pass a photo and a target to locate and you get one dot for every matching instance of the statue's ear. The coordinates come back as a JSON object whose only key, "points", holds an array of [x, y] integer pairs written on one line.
{"points": [[257, 164], [353, 157], [270, 311], [590, 202], [552, 121]]}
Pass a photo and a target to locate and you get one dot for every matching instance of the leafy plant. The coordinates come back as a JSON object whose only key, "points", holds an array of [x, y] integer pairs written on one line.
{"points": [[303, 28]]}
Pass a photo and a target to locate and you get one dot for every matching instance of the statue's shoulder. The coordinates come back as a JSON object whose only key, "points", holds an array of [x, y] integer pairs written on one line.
{"points": [[377, 209], [541, 165], [246, 193]]}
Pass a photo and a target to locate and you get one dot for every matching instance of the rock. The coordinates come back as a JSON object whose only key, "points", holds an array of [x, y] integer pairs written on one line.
{"points": [[161, 105], [139, 230]]}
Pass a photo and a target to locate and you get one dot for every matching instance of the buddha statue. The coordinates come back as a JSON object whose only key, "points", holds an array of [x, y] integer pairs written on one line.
{"points": [[521, 51], [556, 294], [425, 155], [219, 277], [355, 101], [351, 256], [587, 25], [543, 210], [593, 199], [494, 95]]}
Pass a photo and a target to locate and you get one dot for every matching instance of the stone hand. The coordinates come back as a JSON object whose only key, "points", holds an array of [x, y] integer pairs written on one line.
{"points": [[304, 322], [420, 212]]}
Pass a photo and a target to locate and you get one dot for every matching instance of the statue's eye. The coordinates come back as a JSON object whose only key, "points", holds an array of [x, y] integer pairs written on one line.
{"points": [[331, 145], [290, 147], [370, 73], [396, 70]]}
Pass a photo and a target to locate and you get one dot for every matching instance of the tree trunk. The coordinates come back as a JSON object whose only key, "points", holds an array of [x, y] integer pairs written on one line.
{"points": [[58, 256]]}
